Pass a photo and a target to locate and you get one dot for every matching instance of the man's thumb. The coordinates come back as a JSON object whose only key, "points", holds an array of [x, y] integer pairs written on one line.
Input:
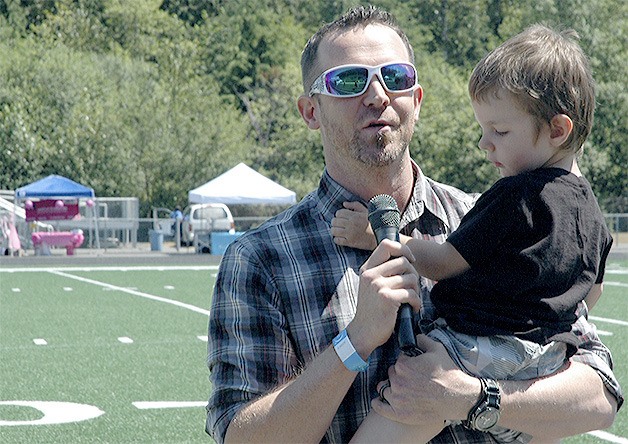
{"points": [[425, 343]]}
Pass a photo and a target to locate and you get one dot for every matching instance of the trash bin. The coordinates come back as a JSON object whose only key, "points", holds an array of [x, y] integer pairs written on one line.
{"points": [[156, 240]]}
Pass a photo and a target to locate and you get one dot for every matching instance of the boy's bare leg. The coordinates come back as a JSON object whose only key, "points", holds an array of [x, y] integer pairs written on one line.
{"points": [[377, 429]]}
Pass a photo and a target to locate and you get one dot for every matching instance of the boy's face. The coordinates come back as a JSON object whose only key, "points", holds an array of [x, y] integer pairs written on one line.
{"points": [[510, 136]]}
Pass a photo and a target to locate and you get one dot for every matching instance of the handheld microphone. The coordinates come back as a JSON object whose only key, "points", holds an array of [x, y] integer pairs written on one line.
{"points": [[384, 218]]}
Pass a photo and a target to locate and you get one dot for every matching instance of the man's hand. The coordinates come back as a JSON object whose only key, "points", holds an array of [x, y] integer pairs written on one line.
{"points": [[428, 388], [350, 227], [387, 279]]}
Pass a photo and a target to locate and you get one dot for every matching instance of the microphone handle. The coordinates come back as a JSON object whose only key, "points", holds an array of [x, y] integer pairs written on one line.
{"points": [[405, 329], [405, 332]]}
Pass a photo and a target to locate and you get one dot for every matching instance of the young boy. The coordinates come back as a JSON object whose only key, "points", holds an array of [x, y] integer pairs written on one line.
{"points": [[534, 247]]}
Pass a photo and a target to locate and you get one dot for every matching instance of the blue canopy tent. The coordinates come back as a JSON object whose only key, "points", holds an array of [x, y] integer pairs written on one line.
{"points": [[57, 187], [53, 187]]}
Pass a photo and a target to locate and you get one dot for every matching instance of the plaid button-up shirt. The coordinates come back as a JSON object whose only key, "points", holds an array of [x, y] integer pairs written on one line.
{"points": [[285, 290]]}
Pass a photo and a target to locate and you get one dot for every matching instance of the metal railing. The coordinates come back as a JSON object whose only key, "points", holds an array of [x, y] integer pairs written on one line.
{"points": [[128, 231], [618, 224]]}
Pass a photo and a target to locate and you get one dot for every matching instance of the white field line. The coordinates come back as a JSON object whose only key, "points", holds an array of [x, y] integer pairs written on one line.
{"points": [[60, 271], [608, 437], [143, 405], [610, 321], [130, 268], [615, 284], [133, 292], [616, 271], [185, 267]]}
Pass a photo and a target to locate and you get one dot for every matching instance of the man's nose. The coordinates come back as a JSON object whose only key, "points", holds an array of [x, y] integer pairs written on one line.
{"points": [[376, 94]]}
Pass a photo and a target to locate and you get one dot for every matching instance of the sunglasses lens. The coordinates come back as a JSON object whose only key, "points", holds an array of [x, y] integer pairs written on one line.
{"points": [[347, 81], [399, 77], [351, 81]]}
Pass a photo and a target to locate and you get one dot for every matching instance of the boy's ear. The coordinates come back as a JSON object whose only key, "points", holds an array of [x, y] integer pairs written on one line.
{"points": [[561, 127]]}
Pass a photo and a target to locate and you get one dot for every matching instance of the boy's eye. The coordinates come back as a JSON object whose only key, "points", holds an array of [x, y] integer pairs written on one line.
{"points": [[501, 133]]}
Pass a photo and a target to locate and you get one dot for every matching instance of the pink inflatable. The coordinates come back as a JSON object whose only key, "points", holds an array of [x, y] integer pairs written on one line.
{"points": [[68, 239]]}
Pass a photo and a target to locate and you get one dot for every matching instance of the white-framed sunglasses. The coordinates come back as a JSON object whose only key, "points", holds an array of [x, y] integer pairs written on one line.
{"points": [[353, 80]]}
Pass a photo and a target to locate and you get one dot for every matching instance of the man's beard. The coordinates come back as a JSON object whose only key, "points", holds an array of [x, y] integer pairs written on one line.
{"points": [[387, 149]]}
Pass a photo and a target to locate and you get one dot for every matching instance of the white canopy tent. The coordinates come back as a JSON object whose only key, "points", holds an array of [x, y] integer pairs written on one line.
{"points": [[242, 185]]}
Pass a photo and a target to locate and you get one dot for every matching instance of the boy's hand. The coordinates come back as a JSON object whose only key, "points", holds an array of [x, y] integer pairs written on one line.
{"points": [[350, 227]]}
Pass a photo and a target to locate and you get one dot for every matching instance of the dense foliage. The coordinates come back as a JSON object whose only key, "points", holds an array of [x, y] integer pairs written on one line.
{"points": [[151, 98]]}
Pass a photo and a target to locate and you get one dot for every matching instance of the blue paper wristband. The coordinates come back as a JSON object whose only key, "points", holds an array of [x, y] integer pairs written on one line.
{"points": [[347, 354]]}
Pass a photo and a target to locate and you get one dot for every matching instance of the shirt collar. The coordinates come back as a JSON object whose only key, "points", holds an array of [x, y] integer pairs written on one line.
{"points": [[331, 196], [423, 199]]}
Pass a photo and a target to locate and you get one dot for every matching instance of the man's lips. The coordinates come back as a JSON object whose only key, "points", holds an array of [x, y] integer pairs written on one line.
{"points": [[378, 124]]}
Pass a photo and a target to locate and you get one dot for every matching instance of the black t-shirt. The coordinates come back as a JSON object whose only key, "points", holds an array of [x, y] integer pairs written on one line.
{"points": [[536, 243]]}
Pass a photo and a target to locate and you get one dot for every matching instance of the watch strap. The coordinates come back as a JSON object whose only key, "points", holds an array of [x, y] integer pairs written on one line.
{"points": [[490, 398], [347, 353]]}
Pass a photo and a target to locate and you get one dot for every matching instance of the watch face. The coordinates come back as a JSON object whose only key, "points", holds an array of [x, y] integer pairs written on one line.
{"points": [[487, 419]]}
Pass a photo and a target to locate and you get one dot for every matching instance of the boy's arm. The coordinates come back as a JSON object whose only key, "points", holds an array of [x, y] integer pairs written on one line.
{"points": [[435, 261], [594, 295], [350, 228]]}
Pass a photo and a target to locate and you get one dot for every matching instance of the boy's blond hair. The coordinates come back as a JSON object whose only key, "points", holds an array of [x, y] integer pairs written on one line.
{"points": [[549, 74]]}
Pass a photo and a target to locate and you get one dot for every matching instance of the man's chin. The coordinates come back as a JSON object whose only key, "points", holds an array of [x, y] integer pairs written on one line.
{"points": [[381, 150], [380, 159]]}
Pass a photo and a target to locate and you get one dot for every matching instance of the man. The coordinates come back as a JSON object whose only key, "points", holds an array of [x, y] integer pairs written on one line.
{"points": [[285, 292], [177, 222]]}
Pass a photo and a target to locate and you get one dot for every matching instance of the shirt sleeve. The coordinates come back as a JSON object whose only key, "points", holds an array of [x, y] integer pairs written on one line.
{"points": [[500, 219], [605, 253], [595, 354], [249, 350]]}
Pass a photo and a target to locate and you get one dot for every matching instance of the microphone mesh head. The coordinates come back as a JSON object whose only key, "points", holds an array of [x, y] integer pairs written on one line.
{"points": [[383, 212]]}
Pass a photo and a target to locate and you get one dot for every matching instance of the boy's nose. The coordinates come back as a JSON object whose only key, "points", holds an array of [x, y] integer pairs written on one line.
{"points": [[484, 144]]}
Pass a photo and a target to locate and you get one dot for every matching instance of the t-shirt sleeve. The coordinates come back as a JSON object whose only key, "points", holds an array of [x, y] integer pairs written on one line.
{"points": [[500, 218], [602, 268]]}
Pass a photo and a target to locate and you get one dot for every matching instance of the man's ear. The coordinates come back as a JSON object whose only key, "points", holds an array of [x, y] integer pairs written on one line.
{"points": [[418, 99], [561, 127], [308, 108]]}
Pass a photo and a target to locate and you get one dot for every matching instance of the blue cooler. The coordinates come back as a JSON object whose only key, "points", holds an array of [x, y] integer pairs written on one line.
{"points": [[220, 241]]}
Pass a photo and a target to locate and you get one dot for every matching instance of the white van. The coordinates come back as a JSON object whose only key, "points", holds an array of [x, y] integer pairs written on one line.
{"points": [[206, 218]]}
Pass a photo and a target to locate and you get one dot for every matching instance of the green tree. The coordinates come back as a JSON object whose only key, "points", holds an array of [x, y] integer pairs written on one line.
{"points": [[461, 31], [151, 98], [445, 143], [192, 12]]}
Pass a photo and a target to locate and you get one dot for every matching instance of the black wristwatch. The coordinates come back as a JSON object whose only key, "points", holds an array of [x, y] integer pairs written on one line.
{"points": [[485, 414]]}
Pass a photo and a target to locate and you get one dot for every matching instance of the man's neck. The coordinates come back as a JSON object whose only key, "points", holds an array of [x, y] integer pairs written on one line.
{"points": [[365, 181]]}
